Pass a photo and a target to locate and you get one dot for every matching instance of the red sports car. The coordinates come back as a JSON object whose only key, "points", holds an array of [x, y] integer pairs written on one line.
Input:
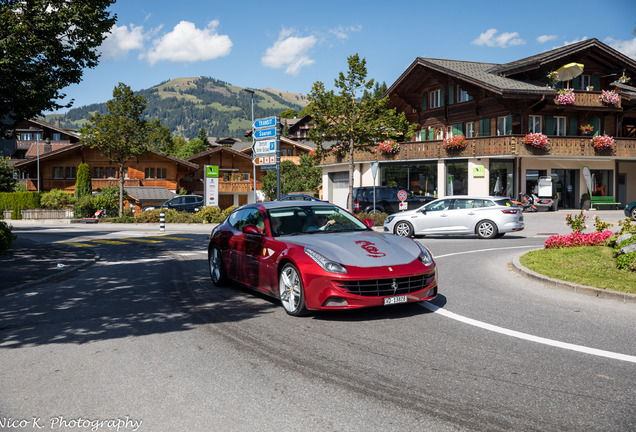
{"points": [[317, 256]]}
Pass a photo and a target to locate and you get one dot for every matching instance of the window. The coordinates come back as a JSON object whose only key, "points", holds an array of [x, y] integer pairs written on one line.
{"points": [[161, 173], [149, 173], [436, 99], [534, 124], [56, 136], [26, 136], [71, 173], [58, 172], [37, 136], [111, 172], [559, 126], [586, 81], [470, 130], [439, 134], [462, 95], [98, 172], [504, 125]]}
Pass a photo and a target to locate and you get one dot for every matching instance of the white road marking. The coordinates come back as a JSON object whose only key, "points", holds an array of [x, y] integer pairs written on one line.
{"points": [[601, 353], [513, 333], [485, 250]]}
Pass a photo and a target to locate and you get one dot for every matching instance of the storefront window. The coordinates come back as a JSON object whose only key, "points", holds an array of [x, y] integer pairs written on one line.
{"points": [[457, 178], [420, 179], [501, 178], [602, 182], [532, 180]]}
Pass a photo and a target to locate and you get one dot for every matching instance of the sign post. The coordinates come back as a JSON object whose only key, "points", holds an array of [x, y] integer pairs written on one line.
{"points": [[211, 185], [266, 146], [402, 195]]}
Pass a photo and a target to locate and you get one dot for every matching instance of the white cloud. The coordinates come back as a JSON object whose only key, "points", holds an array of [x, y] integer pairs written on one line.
{"points": [[121, 39], [627, 47], [491, 39], [546, 38], [186, 43], [290, 52], [574, 41], [342, 32]]}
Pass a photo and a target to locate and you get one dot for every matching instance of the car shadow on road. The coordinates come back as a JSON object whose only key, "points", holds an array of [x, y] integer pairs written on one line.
{"points": [[408, 310]]}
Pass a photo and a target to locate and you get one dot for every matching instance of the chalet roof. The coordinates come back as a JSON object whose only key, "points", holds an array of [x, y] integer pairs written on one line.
{"points": [[69, 132], [479, 74], [72, 147], [33, 150], [221, 148], [149, 193]]}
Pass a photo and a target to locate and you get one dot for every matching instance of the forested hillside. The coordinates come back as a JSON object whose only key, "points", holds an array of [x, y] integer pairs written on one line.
{"points": [[185, 105]]}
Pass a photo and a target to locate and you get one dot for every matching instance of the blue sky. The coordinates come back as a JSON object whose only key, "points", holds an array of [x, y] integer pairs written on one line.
{"points": [[288, 45]]}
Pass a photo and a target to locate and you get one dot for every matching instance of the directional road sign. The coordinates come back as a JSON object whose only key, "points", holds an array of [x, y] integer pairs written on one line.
{"points": [[265, 160], [265, 133], [264, 147], [265, 123]]}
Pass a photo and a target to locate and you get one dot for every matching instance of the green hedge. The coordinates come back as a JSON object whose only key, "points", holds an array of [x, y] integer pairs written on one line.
{"points": [[6, 237], [19, 200]]}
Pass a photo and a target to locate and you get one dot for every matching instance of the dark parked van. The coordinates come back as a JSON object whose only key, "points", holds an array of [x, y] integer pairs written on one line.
{"points": [[386, 199]]}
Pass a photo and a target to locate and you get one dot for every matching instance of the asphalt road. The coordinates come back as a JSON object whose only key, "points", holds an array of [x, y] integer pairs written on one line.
{"points": [[143, 336]]}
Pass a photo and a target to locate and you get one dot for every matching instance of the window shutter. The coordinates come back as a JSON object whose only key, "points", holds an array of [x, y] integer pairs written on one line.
{"points": [[484, 127], [574, 125], [550, 125], [509, 125], [441, 97], [596, 123], [457, 129], [425, 101], [451, 95], [596, 82], [576, 83]]}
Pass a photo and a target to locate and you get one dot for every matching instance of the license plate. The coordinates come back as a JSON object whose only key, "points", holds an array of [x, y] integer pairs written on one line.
{"points": [[394, 300]]}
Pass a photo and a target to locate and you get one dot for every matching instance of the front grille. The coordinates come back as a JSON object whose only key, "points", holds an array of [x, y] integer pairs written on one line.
{"points": [[387, 287]]}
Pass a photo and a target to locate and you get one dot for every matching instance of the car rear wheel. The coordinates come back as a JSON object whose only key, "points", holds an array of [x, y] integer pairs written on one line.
{"points": [[633, 213], [292, 295], [486, 229], [403, 229], [217, 269]]}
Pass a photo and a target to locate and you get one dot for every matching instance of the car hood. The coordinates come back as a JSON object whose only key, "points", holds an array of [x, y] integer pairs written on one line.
{"points": [[362, 249]]}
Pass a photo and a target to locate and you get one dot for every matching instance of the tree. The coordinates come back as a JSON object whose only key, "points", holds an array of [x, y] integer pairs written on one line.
{"points": [[293, 178], [203, 136], [44, 47], [192, 147], [355, 117], [120, 135], [160, 138], [83, 184], [289, 113], [7, 182]]}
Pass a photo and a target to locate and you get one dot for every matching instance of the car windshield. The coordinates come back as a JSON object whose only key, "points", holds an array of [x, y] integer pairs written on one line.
{"points": [[295, 220]]}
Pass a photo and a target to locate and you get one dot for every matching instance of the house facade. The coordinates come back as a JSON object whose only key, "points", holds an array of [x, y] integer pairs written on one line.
{"points": [[35, 137], [494, 107]]}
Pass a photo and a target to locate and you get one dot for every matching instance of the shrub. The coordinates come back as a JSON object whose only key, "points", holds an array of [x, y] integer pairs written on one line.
{"points": [[56, 199], [378, 218], [600, 225], [626, 261], [24, 200], [577, 223], [6, 237]]}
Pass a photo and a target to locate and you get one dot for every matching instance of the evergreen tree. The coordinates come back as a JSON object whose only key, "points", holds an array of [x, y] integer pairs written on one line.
{"points": [[83, 184], [203, 136], [7, 182], [194, 146]]}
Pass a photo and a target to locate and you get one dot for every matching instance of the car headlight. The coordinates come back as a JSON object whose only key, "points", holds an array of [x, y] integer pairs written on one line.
{"points": [[388, 219], [325, 263], [425, 256]]}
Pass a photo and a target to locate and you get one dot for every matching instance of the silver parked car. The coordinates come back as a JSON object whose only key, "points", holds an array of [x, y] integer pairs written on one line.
{"points": [[488, 217]]}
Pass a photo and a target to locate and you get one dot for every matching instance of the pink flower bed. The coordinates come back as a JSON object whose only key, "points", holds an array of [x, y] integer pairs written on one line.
{"points": [[577, 239]]}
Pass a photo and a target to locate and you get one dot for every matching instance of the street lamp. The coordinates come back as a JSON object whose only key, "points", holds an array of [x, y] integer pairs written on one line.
{"points": [[251, 92]]}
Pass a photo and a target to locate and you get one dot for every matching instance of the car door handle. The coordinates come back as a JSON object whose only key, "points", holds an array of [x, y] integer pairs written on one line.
{"points": [[471, 213]]}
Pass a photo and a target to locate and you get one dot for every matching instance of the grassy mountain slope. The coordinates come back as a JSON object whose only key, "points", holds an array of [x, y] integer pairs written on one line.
{"points": [[186, 105]]}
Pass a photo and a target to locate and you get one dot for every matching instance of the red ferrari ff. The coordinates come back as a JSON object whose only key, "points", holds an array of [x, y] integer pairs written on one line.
{"points": [[317, 256]]}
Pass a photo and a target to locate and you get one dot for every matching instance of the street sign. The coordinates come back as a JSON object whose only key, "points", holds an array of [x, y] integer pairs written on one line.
{"points": [[264, 147], [263, 123], [268, 167], [265, 133], [402, 195], [265, 160]]}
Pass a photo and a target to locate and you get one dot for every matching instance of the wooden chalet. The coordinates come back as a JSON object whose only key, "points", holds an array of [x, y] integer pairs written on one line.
{"points": [[494, 106], [35, 137]]}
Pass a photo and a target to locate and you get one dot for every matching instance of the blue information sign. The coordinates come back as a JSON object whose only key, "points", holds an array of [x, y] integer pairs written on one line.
{"points": [[266, 122], [265, 133]]}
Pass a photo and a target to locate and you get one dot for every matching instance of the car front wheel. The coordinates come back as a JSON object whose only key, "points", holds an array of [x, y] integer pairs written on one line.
{"points": [[292, 295], [486, 229], [217, 269], [403, 229]]}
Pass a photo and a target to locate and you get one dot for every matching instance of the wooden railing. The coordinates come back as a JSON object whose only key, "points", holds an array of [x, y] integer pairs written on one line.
{"points": [[509, 145], [590, 99]]}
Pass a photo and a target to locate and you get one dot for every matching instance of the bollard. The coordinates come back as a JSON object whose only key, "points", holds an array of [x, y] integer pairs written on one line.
{"points": [[162, 221]]}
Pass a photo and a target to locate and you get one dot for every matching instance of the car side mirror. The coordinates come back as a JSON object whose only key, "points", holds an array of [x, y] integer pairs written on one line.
{"points": [[369, 222], [252, 229], [423, 210]]}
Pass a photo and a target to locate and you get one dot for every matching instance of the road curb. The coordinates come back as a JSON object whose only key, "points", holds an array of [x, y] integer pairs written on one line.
{"points": [[67, 271], [570, 286]]}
